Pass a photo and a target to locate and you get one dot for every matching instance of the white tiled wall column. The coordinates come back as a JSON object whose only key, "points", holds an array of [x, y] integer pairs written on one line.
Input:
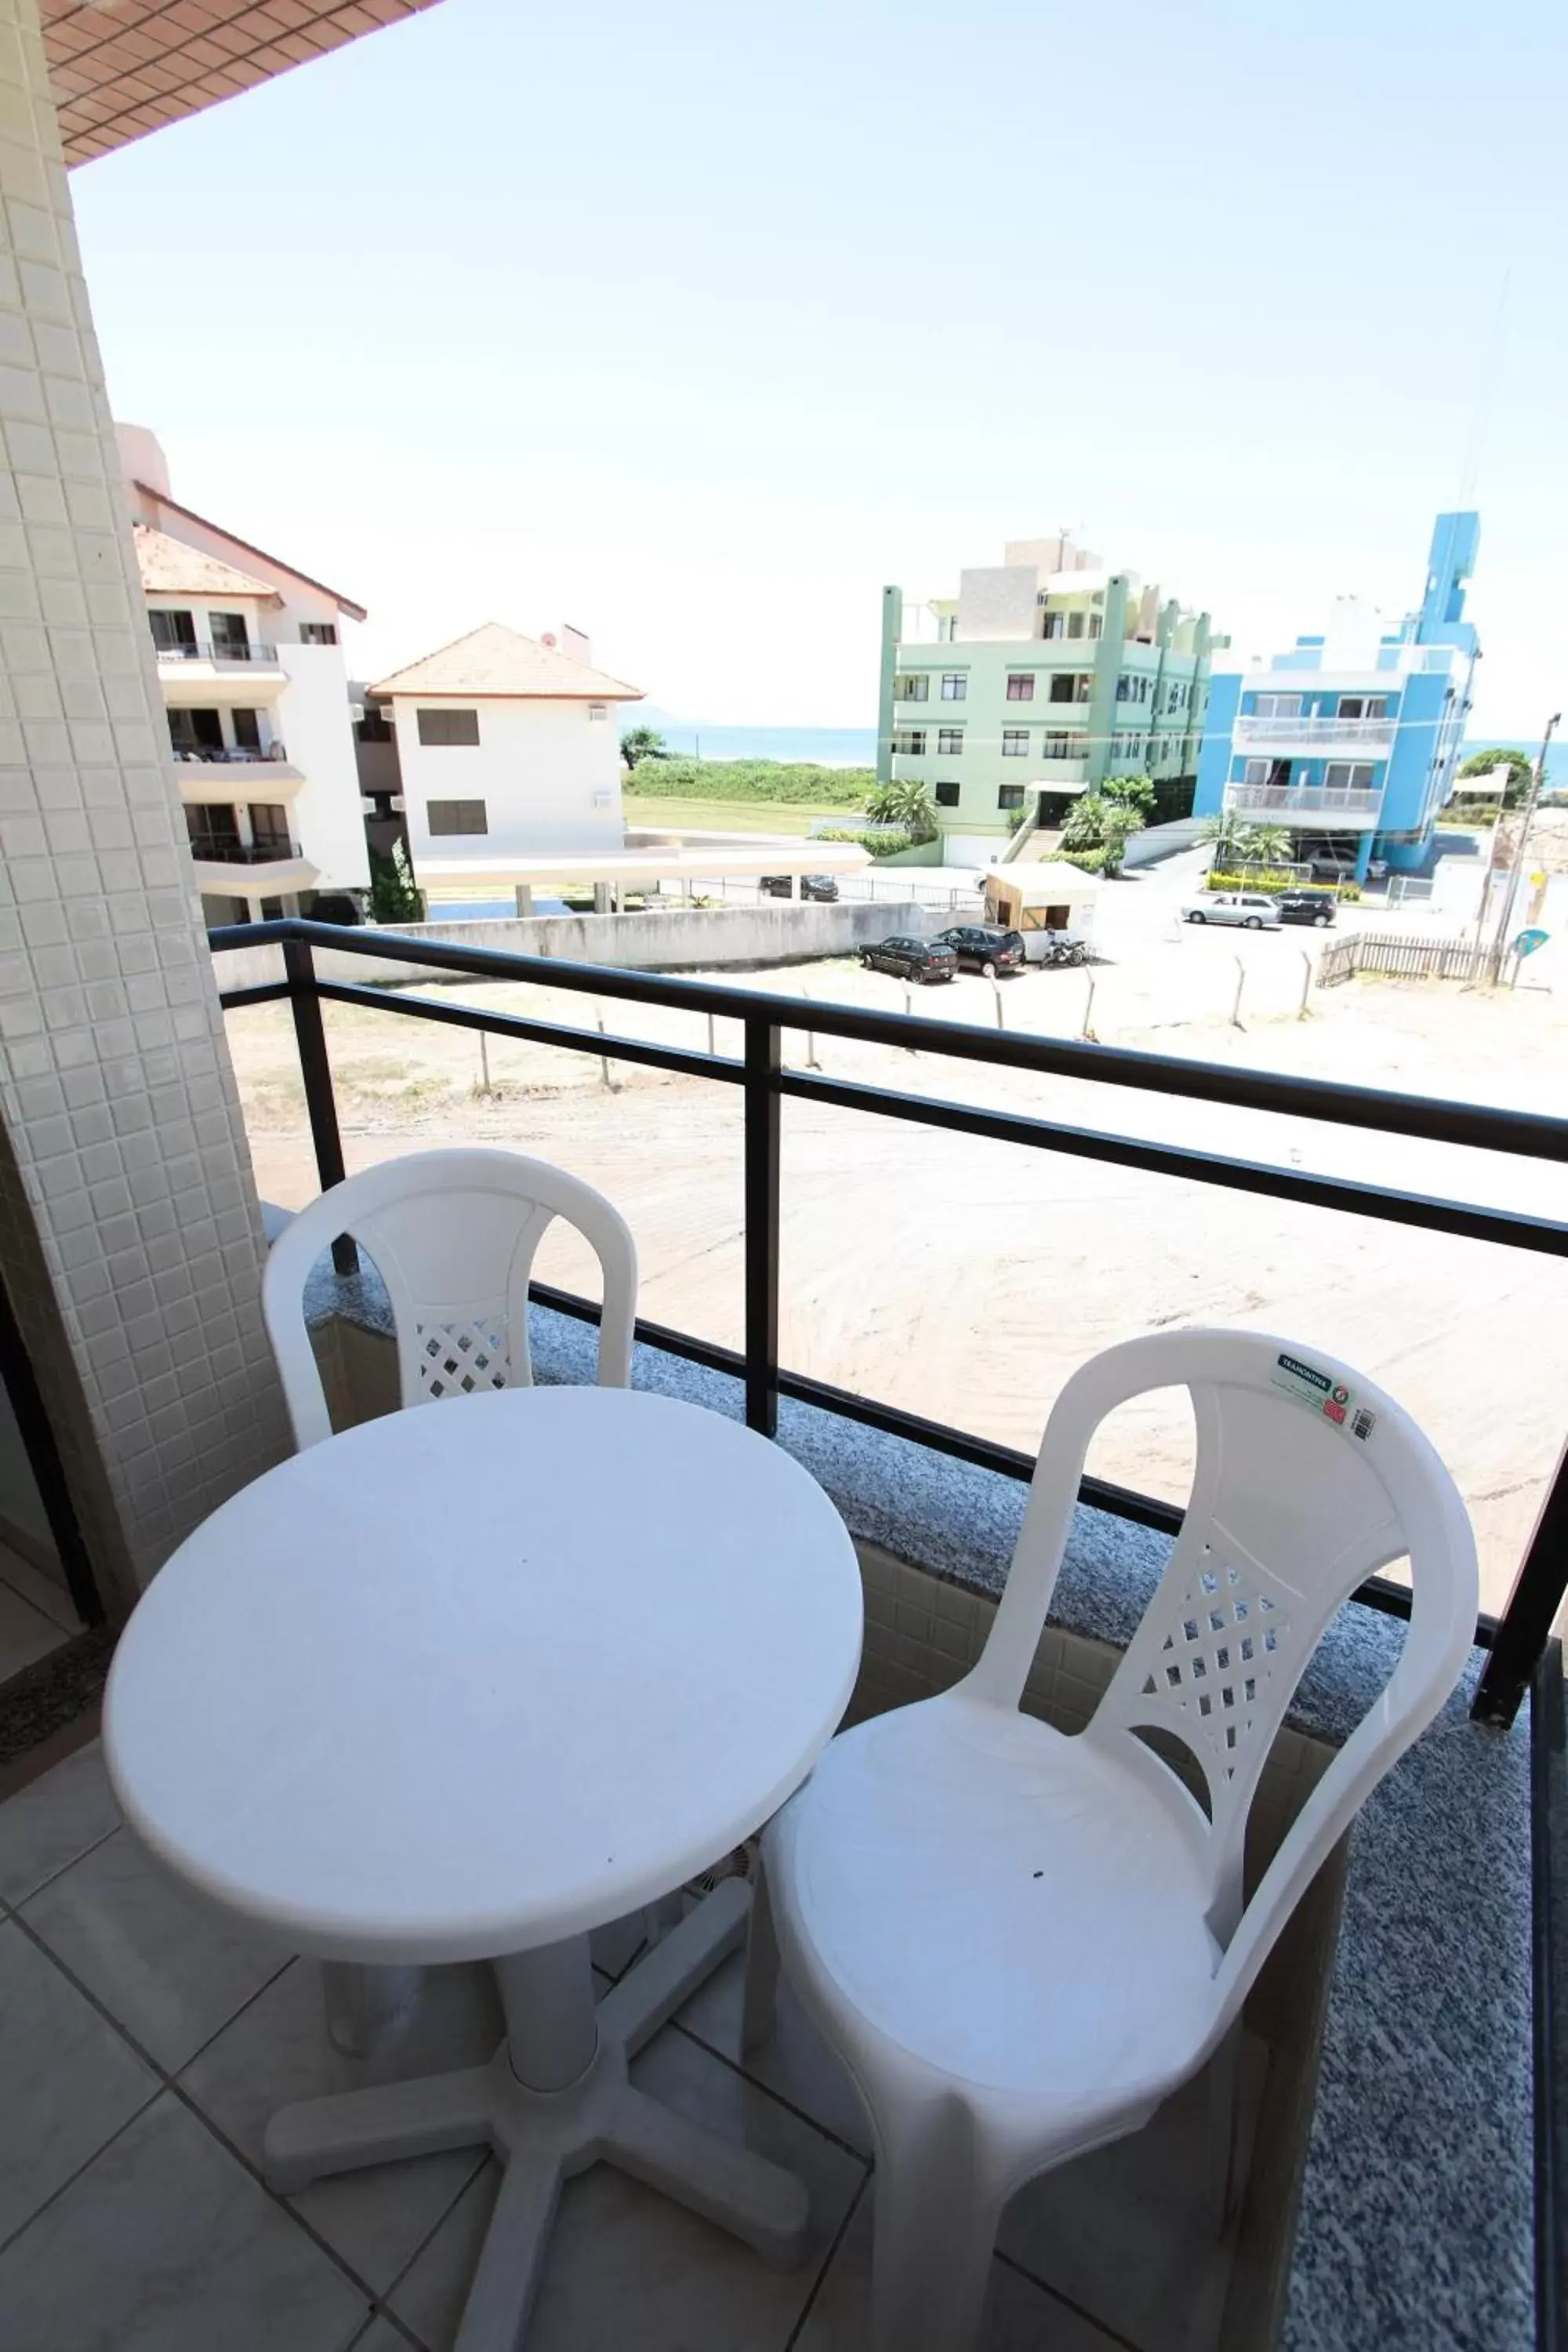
{"points": [[123, 1141]]}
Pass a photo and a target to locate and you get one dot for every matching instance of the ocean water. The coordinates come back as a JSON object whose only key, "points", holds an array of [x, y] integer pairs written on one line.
{"points": [[824, 747]]}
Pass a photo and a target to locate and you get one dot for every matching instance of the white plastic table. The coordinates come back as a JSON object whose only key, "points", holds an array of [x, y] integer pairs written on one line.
{"points": [[463, 1684]]}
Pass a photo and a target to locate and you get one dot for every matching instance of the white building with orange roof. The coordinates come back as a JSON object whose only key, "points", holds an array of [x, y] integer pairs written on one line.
{"points": [[508, 748], [251, 670]]}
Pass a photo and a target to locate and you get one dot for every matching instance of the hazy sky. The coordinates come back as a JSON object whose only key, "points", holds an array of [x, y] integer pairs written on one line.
{"points": [[694, 324]]}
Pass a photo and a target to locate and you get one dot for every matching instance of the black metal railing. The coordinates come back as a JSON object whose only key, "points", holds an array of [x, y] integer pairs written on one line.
{"points": [[204, 649], [244, 853], [230, 755], [1516, 1640]]}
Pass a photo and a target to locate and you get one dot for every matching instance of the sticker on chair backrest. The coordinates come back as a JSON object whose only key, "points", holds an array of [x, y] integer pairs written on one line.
{"points": [[1330, 1399]]}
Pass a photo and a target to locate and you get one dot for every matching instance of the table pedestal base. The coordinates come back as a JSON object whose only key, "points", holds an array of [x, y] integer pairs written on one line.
{"points": [[544, 2135]]}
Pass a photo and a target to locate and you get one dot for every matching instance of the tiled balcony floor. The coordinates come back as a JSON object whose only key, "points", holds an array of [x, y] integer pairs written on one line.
{"points": [[36, 1614], [143, 2041]]}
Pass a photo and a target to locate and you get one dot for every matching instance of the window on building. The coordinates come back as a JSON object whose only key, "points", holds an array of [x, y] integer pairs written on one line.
{"points": [[949, 742], [231, 634], [247, 732], [1123, 688], [910, 741], [914, 686], [1052, 625], [1363, 706], [211, 827], [1021, 686], [1075, 623], [1277, 706], [376, 727], [1255, 772], [450, 726], [1056, 744], [1070, 685], [598, 710], [269, 826], [955, 686], [947, 796], [172, 632], [196, 734], [1014, 742], [456, 816], [1349, 775], [1096, 624], [1010, 796], [318, 633]]}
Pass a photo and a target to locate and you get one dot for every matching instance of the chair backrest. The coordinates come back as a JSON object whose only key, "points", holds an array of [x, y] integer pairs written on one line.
{"points": [[1307, 1478], [453, 1235]]}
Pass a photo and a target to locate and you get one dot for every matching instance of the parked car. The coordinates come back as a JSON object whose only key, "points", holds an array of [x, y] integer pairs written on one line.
{"points": [[984, 947], [812, 886], [1306, 905], [924, 960], [1250, 909]]}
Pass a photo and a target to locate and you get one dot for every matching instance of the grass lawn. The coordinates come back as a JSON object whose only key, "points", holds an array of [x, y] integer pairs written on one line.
{"points": [[729, 817]]}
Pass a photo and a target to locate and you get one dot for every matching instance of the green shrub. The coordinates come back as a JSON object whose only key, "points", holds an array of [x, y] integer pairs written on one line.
{"points": [[1345, 891], [1088, 861], [882, 841], [751, 779]]}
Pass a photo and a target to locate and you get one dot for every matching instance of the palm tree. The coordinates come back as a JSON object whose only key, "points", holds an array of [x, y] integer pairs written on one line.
{"points": [[1227, 835], [907, 804], [642, 743], [1266, 844]]}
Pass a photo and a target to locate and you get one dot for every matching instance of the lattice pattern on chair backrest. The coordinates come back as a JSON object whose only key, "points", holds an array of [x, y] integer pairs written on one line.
{"points": [[453, 1235], [463, 1357], [1286, 1516]]}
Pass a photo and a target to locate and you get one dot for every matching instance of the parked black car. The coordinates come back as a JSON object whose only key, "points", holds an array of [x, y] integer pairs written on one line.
{"points": [[984, 947], [812, 886], [1317, 907], [924, 960]]}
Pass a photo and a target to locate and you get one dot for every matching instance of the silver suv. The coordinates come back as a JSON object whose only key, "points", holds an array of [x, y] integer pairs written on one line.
{"points": [[1251, 909]]}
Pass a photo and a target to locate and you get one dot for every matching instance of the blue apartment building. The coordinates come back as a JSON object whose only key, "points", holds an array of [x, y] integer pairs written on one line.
{"points": [[1351, 740]]}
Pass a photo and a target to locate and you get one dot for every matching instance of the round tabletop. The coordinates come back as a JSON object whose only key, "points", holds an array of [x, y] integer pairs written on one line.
{"points": [[480, 1677]]}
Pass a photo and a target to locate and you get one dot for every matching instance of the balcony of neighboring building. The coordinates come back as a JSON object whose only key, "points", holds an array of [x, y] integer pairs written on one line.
{"points": [[1362, 727], [214, 657], [245, 849], [223, 755], [1335, 808]]}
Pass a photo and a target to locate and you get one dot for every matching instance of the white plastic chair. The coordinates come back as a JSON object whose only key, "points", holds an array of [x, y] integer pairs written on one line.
{"points": [[453, 1235], [1021, 1942]]}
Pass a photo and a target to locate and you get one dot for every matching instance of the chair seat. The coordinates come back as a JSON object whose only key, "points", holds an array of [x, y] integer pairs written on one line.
{"points": [[1006, 1905]]}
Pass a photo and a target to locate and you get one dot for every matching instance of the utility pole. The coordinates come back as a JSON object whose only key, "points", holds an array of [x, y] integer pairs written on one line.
{"points": [[1499, 942]]}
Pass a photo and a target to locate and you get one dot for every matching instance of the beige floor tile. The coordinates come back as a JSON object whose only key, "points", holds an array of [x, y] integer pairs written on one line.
{"points": [[628, 2267]]}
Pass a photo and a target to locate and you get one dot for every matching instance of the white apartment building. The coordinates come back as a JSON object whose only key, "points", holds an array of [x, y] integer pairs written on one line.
{"points": [[257, 693], [508, 748]]}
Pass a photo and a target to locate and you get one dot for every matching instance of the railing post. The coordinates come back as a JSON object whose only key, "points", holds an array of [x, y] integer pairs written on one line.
{"points": [[316, 1069], [763, 1106], [1525, 1626]]}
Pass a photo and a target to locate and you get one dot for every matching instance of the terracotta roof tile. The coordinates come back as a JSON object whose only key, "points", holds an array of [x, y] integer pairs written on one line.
{"points": [[495, 660]]}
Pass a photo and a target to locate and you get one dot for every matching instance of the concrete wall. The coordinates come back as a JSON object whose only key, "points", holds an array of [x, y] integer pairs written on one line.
{"points": [[674, 938], [130, 1233], [539, 766], [1158, 841], [313, 718]]}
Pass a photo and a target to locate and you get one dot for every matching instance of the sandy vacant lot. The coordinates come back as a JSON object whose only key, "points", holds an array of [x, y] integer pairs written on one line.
{"points": [[964, 1278]]}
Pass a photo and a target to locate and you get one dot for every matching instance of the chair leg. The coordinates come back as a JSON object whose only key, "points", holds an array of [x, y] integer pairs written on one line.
{"points": [[1222, 2089], [760, 1998], [936, 2214]]}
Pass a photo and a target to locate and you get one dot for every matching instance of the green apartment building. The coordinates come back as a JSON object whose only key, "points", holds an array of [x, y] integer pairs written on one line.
{"points": [[1044, 676]]}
